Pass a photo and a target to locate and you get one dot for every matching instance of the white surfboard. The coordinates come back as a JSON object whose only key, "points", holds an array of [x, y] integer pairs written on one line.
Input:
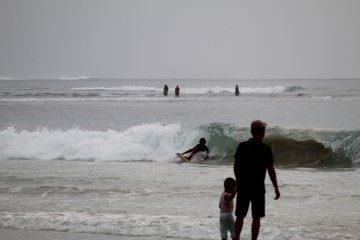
{"points": [[182, 157]]}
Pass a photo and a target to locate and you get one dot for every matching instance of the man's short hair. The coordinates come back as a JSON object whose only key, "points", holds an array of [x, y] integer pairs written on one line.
{"points": [[257, 126]]}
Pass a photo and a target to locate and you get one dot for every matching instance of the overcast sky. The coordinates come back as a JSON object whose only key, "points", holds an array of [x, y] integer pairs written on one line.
{"points": [[180, 38]]}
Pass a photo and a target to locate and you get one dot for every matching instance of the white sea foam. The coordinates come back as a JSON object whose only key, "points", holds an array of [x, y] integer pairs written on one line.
{"points": [[122, 88], [181, 206], [74, 78], [143, 142], [120, 224]]}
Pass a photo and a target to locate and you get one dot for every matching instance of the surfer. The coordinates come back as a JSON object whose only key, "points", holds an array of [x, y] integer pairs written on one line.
{"points": [[237, 92], [201, 147], [252, 159], [177, 91], [166, 89]]}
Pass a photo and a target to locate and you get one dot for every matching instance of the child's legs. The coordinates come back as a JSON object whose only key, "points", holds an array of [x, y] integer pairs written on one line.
{"points": [[223, 230], [227, 224]]}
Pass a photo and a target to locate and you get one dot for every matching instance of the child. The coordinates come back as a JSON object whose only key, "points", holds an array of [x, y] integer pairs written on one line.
{"points": [[226, 206]]}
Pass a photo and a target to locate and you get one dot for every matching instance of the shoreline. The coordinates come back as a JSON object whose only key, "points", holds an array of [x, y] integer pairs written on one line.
{"points": [[11, 234]]}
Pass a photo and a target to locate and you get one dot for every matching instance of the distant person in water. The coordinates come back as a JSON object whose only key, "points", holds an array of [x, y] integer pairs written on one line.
{"points": [[252, 159], [166, 89], [226, 205], [177, 91], [201, 147], [237, 92]]}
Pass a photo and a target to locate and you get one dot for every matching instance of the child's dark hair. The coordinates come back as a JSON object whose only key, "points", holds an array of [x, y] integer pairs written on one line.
{"points": [[229, 182]]}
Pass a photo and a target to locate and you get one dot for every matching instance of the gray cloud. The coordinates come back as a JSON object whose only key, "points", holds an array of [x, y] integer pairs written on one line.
{"points": [[180, 38]]}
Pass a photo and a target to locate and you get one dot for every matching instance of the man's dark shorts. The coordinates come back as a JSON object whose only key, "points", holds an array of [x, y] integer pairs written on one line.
{"points": [[257, 204]]}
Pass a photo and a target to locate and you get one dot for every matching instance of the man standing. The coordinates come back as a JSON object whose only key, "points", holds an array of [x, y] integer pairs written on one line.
{"points": [[177, 91], [252, 159]]}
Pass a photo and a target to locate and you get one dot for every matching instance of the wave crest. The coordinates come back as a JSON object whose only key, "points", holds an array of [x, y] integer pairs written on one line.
{"points": [[143, 142], [291, 147], [157, 142]]}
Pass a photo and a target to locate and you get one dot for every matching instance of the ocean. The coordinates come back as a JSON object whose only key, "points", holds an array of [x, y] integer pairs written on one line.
{"points": [[97, 156]]}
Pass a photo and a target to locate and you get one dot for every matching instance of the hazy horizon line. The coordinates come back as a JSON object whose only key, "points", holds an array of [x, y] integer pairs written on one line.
{"points": [[164, 78]]}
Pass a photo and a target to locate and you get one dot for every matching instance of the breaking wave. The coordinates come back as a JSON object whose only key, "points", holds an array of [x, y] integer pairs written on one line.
{"points": [[71, 78], [293, 147], [157, 142]]}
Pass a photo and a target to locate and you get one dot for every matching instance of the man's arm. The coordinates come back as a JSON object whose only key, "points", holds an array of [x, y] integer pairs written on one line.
{"points": [[237, 165], [190, 150], [272, 175], [236, 168]]}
